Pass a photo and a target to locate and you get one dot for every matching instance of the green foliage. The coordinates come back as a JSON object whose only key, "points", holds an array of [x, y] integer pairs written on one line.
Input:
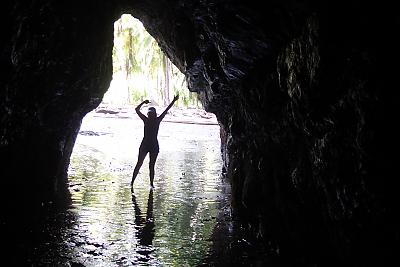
{"points": [[148, 73]]}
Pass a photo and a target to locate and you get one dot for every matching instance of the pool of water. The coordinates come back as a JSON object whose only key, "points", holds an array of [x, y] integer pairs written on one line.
{"points": [[170, 225]]}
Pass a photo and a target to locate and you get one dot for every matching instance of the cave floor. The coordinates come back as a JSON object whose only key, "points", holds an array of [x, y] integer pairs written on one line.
{"points": [[184, 221]]}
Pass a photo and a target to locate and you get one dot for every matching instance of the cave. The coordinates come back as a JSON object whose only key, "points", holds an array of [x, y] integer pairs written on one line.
{"points": [[304, 93]]}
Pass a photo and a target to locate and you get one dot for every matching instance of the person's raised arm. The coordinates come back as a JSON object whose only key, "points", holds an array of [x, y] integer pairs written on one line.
{"points": [[169, 106], [141, 115]]}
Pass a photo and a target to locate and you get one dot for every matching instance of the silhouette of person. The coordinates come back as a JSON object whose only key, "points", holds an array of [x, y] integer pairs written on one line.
{"points": [[144, 226], [150, 143]]}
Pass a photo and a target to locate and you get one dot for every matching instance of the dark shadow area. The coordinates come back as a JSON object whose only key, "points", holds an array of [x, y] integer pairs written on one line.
{"points": [[144, 225], [234, 242], [36, 237]]}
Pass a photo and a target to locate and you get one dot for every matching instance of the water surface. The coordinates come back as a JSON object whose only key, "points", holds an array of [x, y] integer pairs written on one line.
{"points": [[168, 226]]}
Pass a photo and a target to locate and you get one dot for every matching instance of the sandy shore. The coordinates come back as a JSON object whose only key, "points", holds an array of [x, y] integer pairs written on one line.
{"points": [[176, 115]]}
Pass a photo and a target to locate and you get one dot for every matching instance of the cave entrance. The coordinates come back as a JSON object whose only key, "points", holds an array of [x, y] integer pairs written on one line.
{"points": [[142, 71], [149, 225]]}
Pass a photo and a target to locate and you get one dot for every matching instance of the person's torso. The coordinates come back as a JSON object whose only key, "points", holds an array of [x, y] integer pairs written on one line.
{"points": [[151, 127]]}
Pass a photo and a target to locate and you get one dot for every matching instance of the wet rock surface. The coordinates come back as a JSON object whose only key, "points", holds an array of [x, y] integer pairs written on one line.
{"points": [[304, 93]]}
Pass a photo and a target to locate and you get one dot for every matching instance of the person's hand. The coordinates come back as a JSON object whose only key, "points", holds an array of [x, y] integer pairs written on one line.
{"points": [[146, 101], [176, 97]]}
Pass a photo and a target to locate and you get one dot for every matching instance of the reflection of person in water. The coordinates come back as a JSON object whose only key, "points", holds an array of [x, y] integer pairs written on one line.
{"points": [[144, 226], [150, 143]]}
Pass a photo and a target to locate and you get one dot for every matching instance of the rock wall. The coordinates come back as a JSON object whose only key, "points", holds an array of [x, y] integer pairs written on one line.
{"points": [[304, 93], [300, 90], [57, 67]]}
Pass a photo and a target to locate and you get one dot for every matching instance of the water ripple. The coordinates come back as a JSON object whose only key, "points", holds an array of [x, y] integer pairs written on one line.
{"points": [[168, 226]]}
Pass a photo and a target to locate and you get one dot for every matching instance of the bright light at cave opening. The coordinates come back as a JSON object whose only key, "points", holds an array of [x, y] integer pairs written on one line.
{"points": [[106, 150], [140, 71]]}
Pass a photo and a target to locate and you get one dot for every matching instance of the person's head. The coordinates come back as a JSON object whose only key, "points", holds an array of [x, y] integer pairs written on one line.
{"points": [[151, 113]]}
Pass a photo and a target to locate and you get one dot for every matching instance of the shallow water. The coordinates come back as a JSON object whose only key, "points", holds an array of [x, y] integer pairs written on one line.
{"points": [[168, 226]]}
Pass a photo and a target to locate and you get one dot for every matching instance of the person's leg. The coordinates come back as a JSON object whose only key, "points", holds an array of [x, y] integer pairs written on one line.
{"points": [[139, 163], [152, 163]]}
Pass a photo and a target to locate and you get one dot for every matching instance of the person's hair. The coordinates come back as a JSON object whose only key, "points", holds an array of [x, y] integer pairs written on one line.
{"points": [[152, 109]]}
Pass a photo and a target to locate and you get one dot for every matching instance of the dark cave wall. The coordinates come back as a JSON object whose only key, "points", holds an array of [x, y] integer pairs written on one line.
{"points": [[54, 77], [300, 90], [304, 93]]}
